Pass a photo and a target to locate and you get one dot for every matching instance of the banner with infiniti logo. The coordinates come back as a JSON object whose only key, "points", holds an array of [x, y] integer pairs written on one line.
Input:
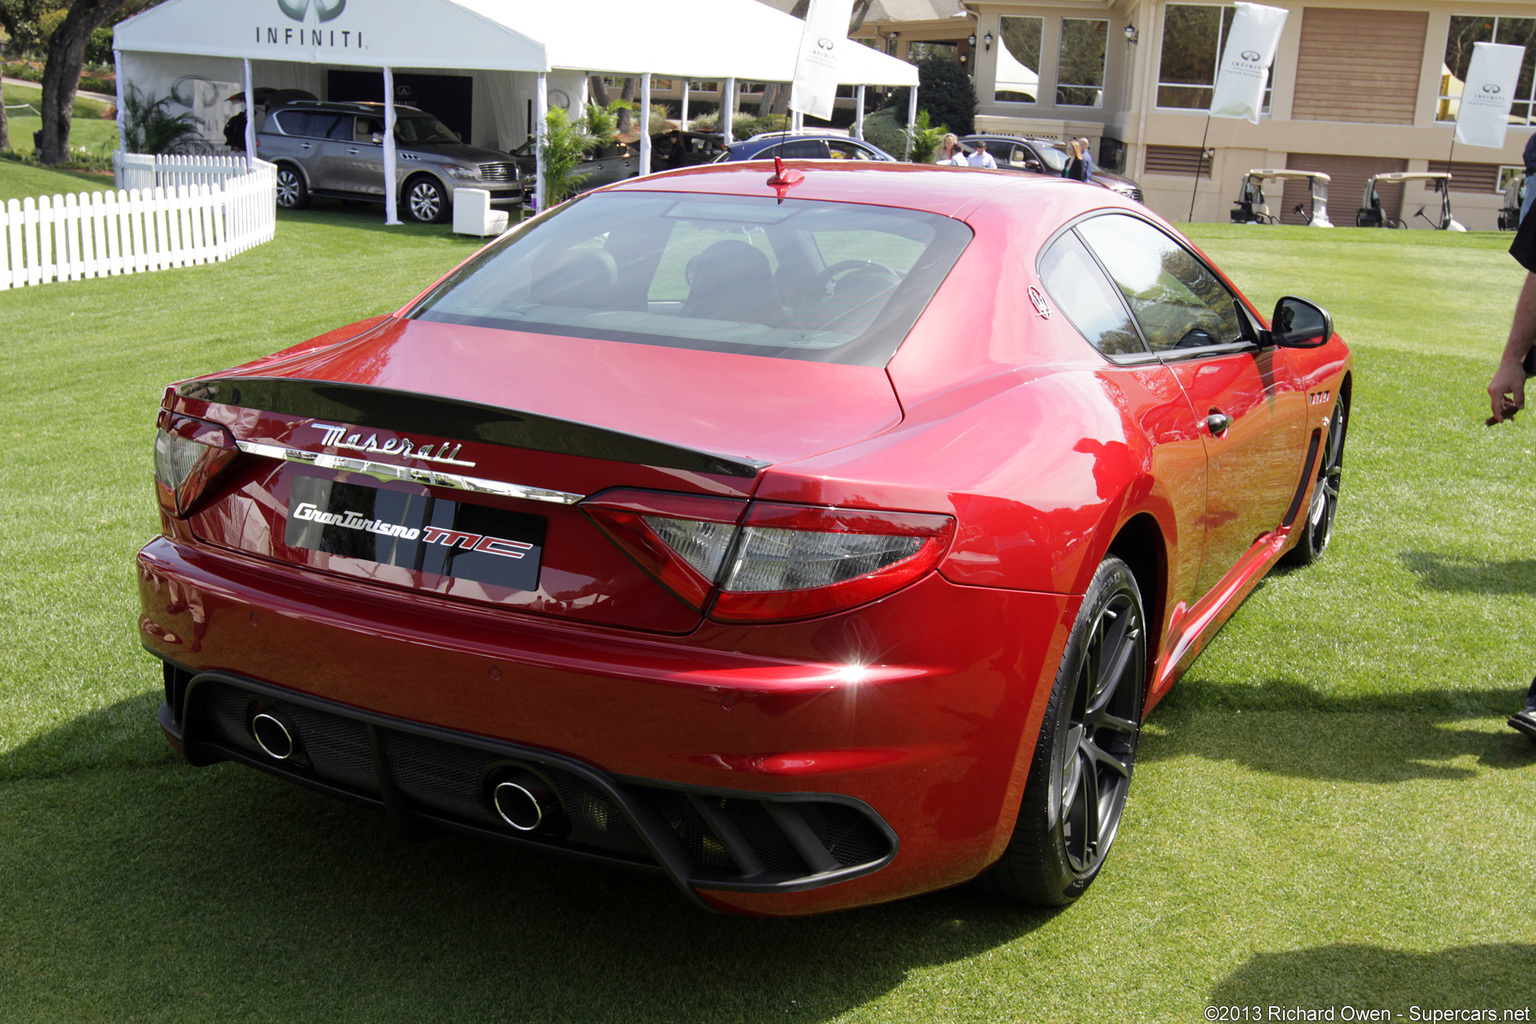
{"points": [[1483, 116], [1245, 63], [814, 89]]}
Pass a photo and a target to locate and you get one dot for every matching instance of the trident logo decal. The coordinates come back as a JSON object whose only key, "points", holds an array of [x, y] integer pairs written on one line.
{"points": [[324, 9]]}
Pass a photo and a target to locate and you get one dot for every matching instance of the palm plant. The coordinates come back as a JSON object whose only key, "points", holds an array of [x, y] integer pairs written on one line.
{"points": [[150, 127], [925, 137], [565, 143]]}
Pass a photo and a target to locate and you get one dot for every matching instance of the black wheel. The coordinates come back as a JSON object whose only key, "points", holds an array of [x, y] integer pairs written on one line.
{"points": [[292, 192], [1081, 770], [1317, 531], [425, 200]]}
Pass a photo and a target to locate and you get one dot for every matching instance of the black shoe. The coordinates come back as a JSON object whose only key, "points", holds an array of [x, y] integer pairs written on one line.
{"points": [[1525, 721]]}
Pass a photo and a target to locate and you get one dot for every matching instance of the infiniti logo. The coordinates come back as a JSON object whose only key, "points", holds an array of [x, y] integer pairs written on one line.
{"points": [[824, 43], [1492, 89], [1251, 55], [324, 9]]}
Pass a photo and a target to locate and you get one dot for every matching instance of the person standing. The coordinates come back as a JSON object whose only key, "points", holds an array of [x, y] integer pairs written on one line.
{"points": [[950, 152], [1087, 150], [980, 157], [1506, 392], [1075, 168]]}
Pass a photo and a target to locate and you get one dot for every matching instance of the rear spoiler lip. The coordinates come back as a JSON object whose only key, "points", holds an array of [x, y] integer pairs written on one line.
{"points": [[366, 407]]}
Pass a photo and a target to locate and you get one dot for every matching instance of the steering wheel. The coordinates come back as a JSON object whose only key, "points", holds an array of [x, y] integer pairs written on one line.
{"points": [[824, 282]]}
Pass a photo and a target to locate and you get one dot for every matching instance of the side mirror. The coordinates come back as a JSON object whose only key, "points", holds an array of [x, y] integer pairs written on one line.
{"points": [[1298, 323], [377, 138]]}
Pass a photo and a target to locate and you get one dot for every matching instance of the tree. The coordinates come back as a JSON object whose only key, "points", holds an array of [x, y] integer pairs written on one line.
{"points": [[61, 74], [945, 90]]}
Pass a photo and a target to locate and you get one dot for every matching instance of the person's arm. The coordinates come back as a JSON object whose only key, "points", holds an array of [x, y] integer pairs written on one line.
{"points": [[1506, 392]]}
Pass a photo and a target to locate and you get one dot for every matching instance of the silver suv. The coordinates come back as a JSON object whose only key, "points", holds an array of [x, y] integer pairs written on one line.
{"points": [[337, 149]]}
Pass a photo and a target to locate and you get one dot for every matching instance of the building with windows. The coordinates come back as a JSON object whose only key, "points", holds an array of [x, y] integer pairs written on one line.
{"points": [[1359, 87]]}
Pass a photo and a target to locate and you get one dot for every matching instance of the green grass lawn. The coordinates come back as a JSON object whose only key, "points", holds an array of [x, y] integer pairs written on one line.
{"points": [[1329, 810], [91, 131]]}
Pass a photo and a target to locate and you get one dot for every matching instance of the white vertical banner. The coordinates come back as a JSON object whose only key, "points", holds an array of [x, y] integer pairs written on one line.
{"points": [[1489, 92], [1246, 60], [814, 90]]}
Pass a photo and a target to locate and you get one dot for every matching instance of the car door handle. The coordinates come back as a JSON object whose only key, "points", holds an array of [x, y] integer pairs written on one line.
{"points": [[1218, 422], [353, 151]]}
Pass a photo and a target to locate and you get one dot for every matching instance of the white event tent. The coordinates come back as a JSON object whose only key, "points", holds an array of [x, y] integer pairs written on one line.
{"points": [[519, 55]]}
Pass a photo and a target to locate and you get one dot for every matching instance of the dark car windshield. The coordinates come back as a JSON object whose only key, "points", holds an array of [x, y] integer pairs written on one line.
{"points": [[832, 282], [421, 128]]}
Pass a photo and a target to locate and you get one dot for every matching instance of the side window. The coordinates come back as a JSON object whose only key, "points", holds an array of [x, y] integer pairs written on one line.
{"points": [[848, 150], [294, 122], [1176, 299], [1081, 291], [801, 149], [367, 128], [340, 127]]}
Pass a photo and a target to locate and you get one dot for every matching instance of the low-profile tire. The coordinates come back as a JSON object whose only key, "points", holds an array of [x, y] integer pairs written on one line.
{"points": [[1081, 770], [292, 190], [426, 201], [1317, 530]]}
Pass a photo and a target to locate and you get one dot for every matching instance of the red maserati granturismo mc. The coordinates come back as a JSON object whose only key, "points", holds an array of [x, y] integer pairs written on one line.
{"points": [[813, 535]]}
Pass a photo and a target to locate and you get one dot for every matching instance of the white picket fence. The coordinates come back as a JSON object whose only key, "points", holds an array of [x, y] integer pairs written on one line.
{"points": [[176, 224]]}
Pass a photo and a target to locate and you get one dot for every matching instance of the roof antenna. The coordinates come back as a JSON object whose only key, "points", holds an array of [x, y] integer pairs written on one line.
{"points": [[783, 177]]}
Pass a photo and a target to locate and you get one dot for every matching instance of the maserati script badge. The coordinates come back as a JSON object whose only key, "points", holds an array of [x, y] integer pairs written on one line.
{"points": [[445, 453]]}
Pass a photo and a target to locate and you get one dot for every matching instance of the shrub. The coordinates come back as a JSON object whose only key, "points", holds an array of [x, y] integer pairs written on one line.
{"points": [[565, 143], [945, 90], [881, 129], [150, 127]]}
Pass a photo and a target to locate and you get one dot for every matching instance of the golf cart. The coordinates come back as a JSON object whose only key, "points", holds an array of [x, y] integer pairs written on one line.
{"points": [[1252, 209], [1370, 215]]}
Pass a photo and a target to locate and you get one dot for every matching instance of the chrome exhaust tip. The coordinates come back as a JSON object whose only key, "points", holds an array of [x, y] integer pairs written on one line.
{"points": [[273, 735], [527, 803]]}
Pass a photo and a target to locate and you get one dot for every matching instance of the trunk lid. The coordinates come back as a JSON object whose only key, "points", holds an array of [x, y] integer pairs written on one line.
{"points": [[453, 460]]}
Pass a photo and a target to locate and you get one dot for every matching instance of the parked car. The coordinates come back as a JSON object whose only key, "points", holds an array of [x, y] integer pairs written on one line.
{"points": [[601, 165], [689, 149], [813, 540], [1046, 156], [803, 146], [337, 149]]}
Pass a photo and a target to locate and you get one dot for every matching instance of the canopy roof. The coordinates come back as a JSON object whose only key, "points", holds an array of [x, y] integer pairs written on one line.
{"points": [[698, 39]]}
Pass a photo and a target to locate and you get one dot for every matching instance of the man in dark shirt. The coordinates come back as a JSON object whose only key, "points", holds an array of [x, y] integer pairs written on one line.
{"points": [[1506, 392]]}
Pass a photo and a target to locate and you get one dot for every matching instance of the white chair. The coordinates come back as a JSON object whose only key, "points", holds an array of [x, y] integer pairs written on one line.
{"points": [[472, 213]]}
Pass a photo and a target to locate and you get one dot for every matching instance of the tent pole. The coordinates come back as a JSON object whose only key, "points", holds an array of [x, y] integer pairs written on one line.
{"points": [[122, 122], [391, 189], [683, 116], [645, 124], [541, 136], [727, 106], [858, 116], [250, 115], [911, 121]]}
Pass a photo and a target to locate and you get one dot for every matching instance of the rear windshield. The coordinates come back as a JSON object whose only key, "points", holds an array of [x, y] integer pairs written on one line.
{"points": [[830, 282]]}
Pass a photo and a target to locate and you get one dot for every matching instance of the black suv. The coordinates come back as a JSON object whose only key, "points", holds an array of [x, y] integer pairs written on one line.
{"points": [[337, 149]]}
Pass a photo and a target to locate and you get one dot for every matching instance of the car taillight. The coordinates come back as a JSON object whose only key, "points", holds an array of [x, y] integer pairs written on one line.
{"points": [[777, 562], [189, 454]]}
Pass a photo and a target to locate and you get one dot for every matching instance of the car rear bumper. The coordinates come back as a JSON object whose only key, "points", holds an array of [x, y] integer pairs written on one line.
{"points": [[886, 760]]}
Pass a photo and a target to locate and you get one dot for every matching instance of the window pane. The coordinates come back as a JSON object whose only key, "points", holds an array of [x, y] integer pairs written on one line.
{"points": [[1191, 36], [1018, 60], [1081, 291], [1175, 298], [1520, 32], [1184, 97], [1080, 72]]}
